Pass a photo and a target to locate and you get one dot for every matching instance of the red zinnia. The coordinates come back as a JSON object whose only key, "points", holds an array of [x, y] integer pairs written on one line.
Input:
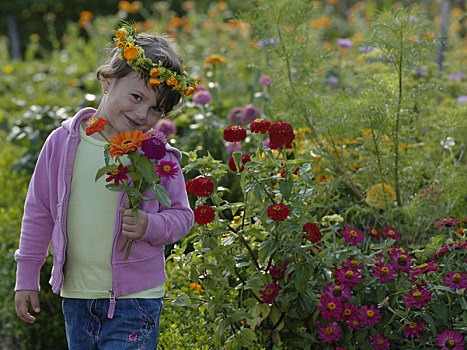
{"points": [[278, 212], [313, 233], [260, 125], [200, 186], [95, 125], [245, 159], [204, 215], [281, 133], [117, 175], [235, 133]]}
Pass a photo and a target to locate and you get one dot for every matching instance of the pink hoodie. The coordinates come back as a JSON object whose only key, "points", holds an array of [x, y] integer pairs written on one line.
{"points": [[45, 212]]}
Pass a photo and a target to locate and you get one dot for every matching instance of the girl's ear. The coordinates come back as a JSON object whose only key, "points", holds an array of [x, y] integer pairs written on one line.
{"points": [[106, 82]]}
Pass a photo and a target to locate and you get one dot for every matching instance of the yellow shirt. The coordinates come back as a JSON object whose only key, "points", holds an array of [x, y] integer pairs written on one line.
{"points": [[90, 228]]}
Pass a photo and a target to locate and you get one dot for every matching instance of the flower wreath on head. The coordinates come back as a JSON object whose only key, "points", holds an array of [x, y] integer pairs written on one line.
{"points": [[125, 40]]}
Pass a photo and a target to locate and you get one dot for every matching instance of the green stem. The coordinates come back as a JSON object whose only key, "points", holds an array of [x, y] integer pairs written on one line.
{"points": [[396, 131]]}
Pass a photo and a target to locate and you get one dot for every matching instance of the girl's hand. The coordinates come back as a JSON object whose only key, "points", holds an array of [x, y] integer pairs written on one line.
{"points": [[22, 299], [132, 228]]}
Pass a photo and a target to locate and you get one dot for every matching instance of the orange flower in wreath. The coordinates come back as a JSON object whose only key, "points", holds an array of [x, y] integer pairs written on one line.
{"points": [[125, 142], [130, 52], [95, 124]]}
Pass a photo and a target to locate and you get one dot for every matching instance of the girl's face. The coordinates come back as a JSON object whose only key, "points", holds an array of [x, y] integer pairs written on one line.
{"points": [[128, 104]]}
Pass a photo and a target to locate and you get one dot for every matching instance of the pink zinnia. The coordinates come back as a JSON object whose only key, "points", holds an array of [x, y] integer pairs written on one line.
{"points": [[384, 272], [270, 292], [166, 169], [329, 333], [450, 340], [401, 261], [429, 266], [379, 342], [455, 280], [374, 233], [338, 291], [417, 297], [352, 264], [352, 235], [390, 232], [411, 330], [369, 315], [348, 276], [447, 222], [349, 312], [330, 308]]}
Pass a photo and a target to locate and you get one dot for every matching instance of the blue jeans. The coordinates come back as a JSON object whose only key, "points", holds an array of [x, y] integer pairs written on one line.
{"points": [[134, 326]]}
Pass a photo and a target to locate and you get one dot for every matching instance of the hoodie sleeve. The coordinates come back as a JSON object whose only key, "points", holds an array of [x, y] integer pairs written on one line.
{"points": [[37, 224], [169, 225]]}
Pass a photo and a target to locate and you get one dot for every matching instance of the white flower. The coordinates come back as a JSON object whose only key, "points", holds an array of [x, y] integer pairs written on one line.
{"points": [[448, 142]]}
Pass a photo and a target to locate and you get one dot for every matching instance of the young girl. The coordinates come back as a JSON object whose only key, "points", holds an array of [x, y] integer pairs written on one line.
{"points": [[108, 302]]}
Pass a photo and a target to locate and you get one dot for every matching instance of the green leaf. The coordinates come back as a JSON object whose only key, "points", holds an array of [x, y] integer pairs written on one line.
{"points": [[247, 337], [182, 300], [104, 170], [161, 195], [147, 169], [463, 303], [254, 283], [441, 311], [428, 319], [286, 188], [114, 188], [301, 278], [220, 330]]}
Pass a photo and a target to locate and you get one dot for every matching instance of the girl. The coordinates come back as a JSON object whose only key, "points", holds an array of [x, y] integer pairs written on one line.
{"points": [[108, 302]]}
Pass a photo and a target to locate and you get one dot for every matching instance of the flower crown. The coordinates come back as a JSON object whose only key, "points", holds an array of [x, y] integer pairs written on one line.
{"points": [[125, 40]]}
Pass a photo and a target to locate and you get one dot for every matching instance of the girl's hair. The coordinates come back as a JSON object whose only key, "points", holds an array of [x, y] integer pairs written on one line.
{"points": [[157, 48]]}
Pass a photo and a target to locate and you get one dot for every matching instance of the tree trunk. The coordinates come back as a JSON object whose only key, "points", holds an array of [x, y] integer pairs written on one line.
{"points": [[15, 48], [445, 10]]}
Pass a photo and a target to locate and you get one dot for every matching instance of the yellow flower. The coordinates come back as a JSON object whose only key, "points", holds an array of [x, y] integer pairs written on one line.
{"points": [[214, 59], [193, 286], [375, 197], [34, 38], [366, 132], [8, 69]]}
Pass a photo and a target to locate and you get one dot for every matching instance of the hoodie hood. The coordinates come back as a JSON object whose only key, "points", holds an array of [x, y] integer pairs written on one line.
{"points": [[72, 125]]}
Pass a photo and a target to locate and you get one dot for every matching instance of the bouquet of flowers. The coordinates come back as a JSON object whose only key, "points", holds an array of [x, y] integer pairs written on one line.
{"points": [[143, 170]]}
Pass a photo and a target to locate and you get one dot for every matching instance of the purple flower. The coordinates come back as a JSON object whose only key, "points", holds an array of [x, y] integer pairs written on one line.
{"points": [[330, 307], [421, 72], [202, 97], [235, 115], [166, 169], [462, 99], [133, 337], [417, 297], [401, 261], [352, 235], [250, 113], [455, 280], [158, 133], [332, 80], [270, 292], [154, 148], [411, 330], [266, 42], [379, 342], [231, 147], [329, 333], [166, 127], [450, 340], [367, 49], [457, 76], [384, 272], [345, 43], [265, 81], [369, 315], [337, 291], [348, 276]]}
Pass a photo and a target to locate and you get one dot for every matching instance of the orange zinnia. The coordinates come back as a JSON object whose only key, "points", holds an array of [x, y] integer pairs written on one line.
{"points": [[131, 52], [95, 125], [171, 81], [125, 142]]}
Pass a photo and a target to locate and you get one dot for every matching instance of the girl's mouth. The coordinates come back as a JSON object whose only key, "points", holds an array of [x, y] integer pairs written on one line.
{"points": [[131, 122]]}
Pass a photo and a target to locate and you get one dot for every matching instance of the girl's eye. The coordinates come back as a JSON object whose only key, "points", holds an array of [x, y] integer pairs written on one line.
{"points": [[137, 97], [157, 109]]}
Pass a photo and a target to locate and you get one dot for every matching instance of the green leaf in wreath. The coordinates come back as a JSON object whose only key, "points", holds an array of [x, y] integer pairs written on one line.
{"points": [[161, 195]]}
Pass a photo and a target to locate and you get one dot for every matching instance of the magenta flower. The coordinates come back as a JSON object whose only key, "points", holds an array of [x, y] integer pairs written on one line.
{"points": [[390, 232], [349, 312], [338, 291], [270, 292], [202, 97], [133, 337], [369, 315], [401, 261], [355, 323], [461, 99], [166, 127], [417, 298], [447, 222], [167, 169], [352, 235], [455, 280], [331, 332], [352, 264], [154, 148], [384, 272], [235, 115], [411, 330], [277, 271], [265, 81], [379, 342], [330, 308], [348, 277], [450, 340], [374, 233], [231, 146], [430, 266]]}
